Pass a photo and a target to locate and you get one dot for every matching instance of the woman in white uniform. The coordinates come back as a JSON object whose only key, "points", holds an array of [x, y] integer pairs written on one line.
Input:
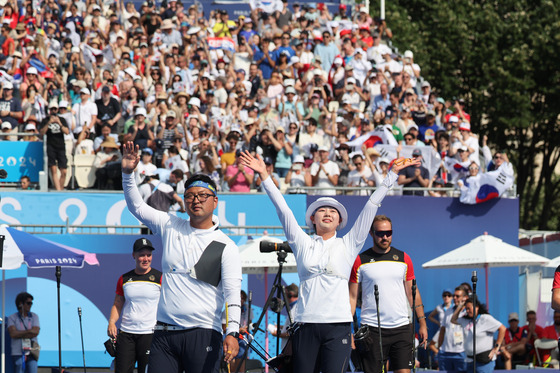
{"points": [[322, 342]]}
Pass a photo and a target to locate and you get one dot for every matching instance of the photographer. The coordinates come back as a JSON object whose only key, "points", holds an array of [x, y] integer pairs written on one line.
{"points": [[55, 128]]}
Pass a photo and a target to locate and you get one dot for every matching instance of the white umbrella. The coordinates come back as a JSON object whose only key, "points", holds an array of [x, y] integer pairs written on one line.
{"points": [[255, 262], [486, 251]]}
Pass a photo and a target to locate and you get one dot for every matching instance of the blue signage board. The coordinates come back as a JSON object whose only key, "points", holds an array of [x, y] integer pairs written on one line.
{"points": [[21, 158]]}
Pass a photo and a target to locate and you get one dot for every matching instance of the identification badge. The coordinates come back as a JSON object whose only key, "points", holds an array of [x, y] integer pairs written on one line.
{"points": [[457, 337], [26, 343]]}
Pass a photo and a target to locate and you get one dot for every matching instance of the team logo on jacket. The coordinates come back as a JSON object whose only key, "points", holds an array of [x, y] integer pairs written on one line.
{"points": [[152, 278], [395, 257]]}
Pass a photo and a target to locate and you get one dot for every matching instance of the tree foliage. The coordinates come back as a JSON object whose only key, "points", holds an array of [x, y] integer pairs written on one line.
{"points": [[502, 57]]}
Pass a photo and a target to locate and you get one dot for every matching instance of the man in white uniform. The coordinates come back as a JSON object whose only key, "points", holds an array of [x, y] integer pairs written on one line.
{"points": [[201, 272]]}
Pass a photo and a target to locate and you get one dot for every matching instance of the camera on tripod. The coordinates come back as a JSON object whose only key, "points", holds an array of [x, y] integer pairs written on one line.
{"points": [[272, 247]]}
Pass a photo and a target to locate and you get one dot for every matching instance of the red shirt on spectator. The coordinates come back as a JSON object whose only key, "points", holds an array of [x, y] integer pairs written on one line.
{"points": [[514, 336], [550, 332]]}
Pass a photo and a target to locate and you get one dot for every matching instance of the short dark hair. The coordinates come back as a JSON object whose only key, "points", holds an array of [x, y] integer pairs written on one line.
{"points": [[531, 312], [381, 218], [200, 177], [178, 173], [22, 297], [292, 290]]}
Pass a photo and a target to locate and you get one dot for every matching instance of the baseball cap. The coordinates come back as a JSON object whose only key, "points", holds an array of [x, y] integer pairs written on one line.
{"points": [[53, 104], [267, 160], [439, 181], [416, 152], [6, 125], [141, 111], [142, 243], [324, 149], [453, 119], [513, 316], [7, 85], [85, 91], [147, 151], [29, 127], [465, 126], [106, 89], [299, 159], [32, 70]]}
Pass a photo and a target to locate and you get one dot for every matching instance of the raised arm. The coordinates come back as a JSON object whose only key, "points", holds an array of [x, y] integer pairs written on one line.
{"points": [[357, 235], [293, 231], [153, 218]]}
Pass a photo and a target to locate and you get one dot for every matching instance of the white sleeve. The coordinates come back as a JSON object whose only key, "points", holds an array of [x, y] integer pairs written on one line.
{"points": [[487, 155], [231, 284], [357, 235], [295, 235], [153, 218]]}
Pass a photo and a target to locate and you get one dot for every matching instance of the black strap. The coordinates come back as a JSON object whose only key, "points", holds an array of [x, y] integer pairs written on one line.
{"points": [[209, 266]]}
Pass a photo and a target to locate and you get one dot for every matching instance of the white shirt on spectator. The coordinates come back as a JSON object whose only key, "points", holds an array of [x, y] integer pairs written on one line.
{"points": [[83, 113], [332, 169], [356, 179]]}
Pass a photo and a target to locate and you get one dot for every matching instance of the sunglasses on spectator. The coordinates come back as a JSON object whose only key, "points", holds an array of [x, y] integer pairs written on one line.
{"points": [[473, 168], [497, 157], [382, 234], [29, 303], [358, 163]]}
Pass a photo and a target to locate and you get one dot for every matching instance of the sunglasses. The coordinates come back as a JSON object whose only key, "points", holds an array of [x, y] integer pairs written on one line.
{"points": [[29, 303], [473, 168], [382, 234], [447, 295]]}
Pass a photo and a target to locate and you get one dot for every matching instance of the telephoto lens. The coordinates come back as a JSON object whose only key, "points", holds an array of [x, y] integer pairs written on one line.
{"points": [[270, 247]]}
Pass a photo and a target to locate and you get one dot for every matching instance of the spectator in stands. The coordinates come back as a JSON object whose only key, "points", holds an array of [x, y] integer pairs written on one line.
{"points": [[145, 166], [270, 169], [210, 169], [105, 133], [175, 161], [6, 129], [361, 176], [298, 175], [382, 100], [108, 166], [417, 177], [177, 181], [139, 132], [436, 182], [534, 331], [324, 173], [55, 127], [108, 111], [327, 51], [10, 108], [159, 195], [85, 112], [31, 132], [238, 177]]}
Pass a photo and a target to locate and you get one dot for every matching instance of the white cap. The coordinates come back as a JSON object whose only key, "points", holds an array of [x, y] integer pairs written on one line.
{"points": [[338, 61], [53, 104], [194, 101], [84, 91], [290, 89], [75, 50], [299, 159], [408, 54], [6, 125], [141, 111], [351, 80], [32, 70], [7, 85], [453, 119], [29, 127], [63, 103], [130, 71], [364, 10]]}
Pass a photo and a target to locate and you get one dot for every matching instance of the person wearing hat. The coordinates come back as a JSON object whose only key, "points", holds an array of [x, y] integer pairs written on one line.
{"points": [[55, 127], [415, 177], [324, 262], [30, 130], [222, 28], [11, 111], [298, 176], [85, 112], [108, 165], [140, 132], [108, 111], [196, 286], [145, 166], [324, 173], [135, 303], [170, 34]]}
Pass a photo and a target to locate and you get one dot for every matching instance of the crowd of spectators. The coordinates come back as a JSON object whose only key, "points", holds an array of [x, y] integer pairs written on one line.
{"points": [[304, 88]]}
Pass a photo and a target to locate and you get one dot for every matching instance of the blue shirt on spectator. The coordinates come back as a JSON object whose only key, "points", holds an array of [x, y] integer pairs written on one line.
{"points": [[288, 49], [265, 66], [327, 54], [380, 102]]}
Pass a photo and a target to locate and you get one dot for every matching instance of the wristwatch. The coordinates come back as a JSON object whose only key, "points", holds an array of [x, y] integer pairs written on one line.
{"points": [[233, 334]]}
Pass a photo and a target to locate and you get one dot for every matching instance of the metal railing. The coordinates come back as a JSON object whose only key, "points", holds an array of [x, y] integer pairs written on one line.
{"points": [[273, 231]]}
